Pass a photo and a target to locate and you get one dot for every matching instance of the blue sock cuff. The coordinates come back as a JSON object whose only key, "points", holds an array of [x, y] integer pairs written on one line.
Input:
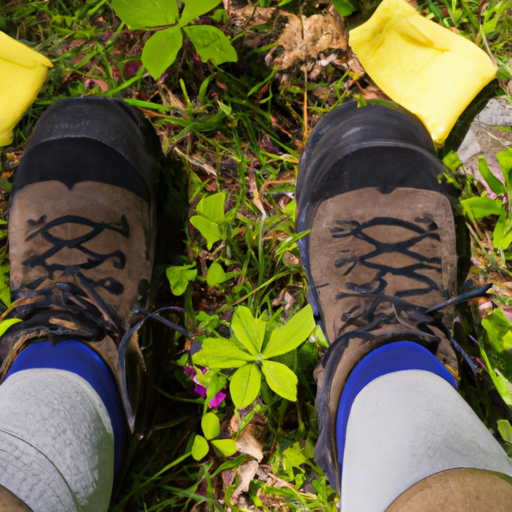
{"points": [[395, 357], [74, 356]]}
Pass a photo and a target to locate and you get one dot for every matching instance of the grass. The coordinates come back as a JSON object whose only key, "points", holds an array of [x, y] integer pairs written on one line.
{"points": [[236, 130]]}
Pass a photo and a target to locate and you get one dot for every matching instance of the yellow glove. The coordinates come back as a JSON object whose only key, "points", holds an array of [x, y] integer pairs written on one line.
{"points": [[22, 74], [429, 70]]}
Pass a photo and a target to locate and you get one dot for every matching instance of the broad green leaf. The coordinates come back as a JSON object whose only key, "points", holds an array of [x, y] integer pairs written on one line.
{"points": [[211, 44], [221, 353], [293, 457], [503, 385], [146, 13], [161, 49], [505, 161], [212, 207], [280, 379], [291, 209], [505, 241], [195, 8], [216, 275], [5, 294], [505, 429], [245, 385], [6, 324], [210, 425], [343, 7], [499, 238], [179, 277], [204, 319], [499, 330], [499, 230], [207, 228], [496, 186], [220, 15], [291, 335], [452, 161], [224, 108], [479, 207], [249, 331], [200, 447], [225, 446]]}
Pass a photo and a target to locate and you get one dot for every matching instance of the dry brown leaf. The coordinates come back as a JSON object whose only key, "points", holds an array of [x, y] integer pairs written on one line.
{"points": [[251, 16], [253, 189], [246, 473], [266, 474], [228, 477], [196, 161], [247, 443], [305, 41]]}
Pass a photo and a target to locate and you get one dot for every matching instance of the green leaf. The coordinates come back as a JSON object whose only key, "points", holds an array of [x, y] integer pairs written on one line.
{"points": [[280, 379], [249, 331], [5, 294], [146, 13], [216, 275], [161, 49], [245, 385], [452, 161], [211, 44], [505, 429], [204, 319], [179, 277], [221, 353], [505, 161], [225, 446], [343, 7], [224, 108], [499, 238], [503, 385], [499, 330], [496, 186], [210, 425], [293, 457], [207, 228], [195, 8], [499, 230], [6, 324], [212, 207], [217, 382], [292, 334], [479, 207], [220, 15], [200, 447]]}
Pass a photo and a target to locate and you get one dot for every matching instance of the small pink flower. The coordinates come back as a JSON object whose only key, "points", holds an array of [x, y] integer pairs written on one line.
{"points": [[200, 389]]}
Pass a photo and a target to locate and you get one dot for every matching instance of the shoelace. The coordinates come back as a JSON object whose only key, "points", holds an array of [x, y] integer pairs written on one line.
{"points": [[94, 259], [72, 297], [395, 307]]}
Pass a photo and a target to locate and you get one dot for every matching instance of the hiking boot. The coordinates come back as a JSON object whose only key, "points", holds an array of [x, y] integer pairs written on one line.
{"points": [[82, 234], [382, 248]]}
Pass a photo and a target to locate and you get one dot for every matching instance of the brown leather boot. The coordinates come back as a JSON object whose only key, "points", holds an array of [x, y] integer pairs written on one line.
{"points": [[382, 248], [82, 233]]}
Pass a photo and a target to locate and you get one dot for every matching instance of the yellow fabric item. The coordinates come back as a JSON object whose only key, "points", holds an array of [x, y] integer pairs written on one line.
{"points": [[22, 74], [428, 69]]}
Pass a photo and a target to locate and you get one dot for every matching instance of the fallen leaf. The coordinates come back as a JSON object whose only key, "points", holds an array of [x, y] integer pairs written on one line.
{"points": [[247, 443], [305, 41], [246, 473], [89, 81], [251, 16]]}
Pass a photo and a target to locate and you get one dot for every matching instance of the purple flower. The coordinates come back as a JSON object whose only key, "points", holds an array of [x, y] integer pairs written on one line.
{"points": [[201, 390]]}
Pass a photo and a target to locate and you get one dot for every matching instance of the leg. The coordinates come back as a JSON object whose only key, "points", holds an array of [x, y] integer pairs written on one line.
{"points": [[380, 258], [82, 233]]}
